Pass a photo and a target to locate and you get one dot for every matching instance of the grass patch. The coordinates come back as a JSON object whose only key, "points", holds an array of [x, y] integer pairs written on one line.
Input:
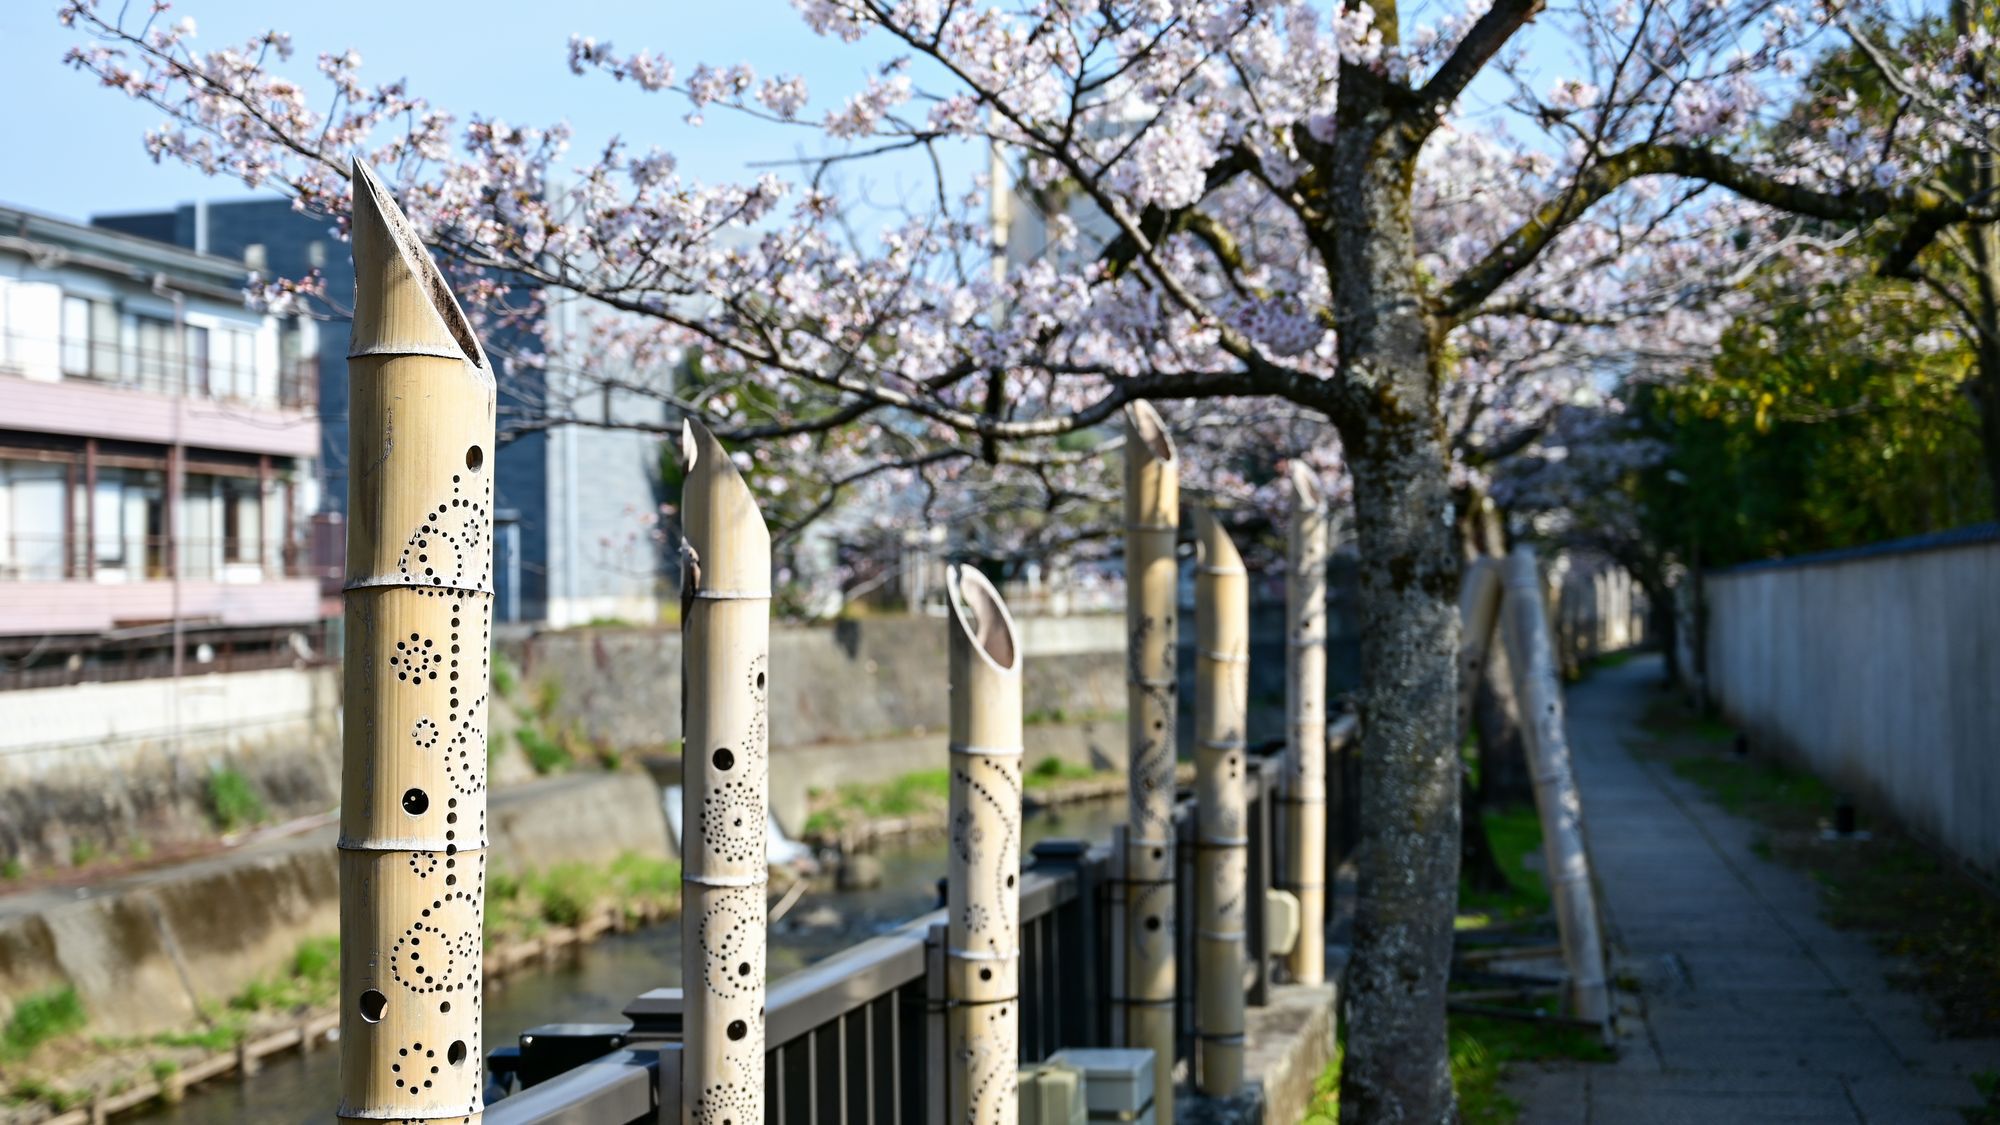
{"points": [[311, 980], [1481, 1049], [1914, 906], [505, 678], [1516, 836], [38, 1018], [911, 793], [1988, 1082], [232, 803], [545, 754], [1054, 771], [566, 894]]}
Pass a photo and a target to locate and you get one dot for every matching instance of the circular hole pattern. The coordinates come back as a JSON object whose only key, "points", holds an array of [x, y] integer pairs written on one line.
{"points": [[373, 1005], [738, 1029], [456, 1053], [416, 802], [723, 759], [474, 458], [1152, 921]]}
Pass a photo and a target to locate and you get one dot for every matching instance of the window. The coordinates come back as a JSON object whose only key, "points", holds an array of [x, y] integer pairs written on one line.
{"points": [[242, 521], [158, 360], [89, 338], [197, 361]]}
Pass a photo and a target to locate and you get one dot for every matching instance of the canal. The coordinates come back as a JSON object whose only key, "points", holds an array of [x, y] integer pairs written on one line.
{"points": [[594, 982]]}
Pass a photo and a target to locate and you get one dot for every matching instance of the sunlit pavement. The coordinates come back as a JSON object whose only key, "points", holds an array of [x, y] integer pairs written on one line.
{"points": [[1751, 1008]]}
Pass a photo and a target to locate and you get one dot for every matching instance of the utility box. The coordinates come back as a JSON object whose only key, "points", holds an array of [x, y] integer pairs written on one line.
{"points": [[1281, 921], [1051, 1093], [1117, 1082]]}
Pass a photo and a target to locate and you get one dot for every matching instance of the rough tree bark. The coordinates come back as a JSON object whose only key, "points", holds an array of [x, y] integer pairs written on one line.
{"points": [[1398, 1066]]}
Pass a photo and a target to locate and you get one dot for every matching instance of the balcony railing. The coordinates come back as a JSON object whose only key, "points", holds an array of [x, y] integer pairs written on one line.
{"points": [[162, 372], [860, 1036], [55, 557]]}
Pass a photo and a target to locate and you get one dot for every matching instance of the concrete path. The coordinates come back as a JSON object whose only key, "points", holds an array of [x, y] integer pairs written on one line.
{"points": [[1751, 1007]]}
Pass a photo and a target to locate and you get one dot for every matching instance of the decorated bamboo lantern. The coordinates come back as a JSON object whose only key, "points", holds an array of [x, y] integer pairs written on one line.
{"points": [[1557, 800], [1152, 586], [419, 593], [1222, 838], [983, 894], [1304, 856], [1478, 612], [725, 785]]}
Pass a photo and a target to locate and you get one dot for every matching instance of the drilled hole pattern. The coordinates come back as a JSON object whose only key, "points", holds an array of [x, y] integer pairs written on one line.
{"points": [[732, 937], [454, 545], [727, 1104], [985, 840]]}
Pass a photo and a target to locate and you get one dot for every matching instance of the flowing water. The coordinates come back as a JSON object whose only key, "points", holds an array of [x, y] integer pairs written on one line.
{"points": [[593, 982]]}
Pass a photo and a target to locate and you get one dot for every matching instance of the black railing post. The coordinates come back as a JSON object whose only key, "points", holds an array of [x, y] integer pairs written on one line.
{"points": [[1257, 937], [1079, 1022]]}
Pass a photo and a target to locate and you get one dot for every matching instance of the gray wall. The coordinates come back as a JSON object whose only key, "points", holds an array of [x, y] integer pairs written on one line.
{"points": [[1880, 670]]}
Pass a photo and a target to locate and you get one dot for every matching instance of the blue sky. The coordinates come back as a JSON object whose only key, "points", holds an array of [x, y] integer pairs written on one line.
{"points": [[74, 149]]}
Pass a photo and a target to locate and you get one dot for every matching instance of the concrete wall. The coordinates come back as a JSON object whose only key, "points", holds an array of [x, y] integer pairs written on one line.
{"points": [[1880, 670], [842, 683], [147, 952], [99, 766]]}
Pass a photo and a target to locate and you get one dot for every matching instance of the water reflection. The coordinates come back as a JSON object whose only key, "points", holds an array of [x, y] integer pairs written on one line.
{"points": [[594, 982]]}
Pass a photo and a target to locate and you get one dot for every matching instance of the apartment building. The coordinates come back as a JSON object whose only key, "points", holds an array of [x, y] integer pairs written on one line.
{"points": [[571, 539], [157, 441]]}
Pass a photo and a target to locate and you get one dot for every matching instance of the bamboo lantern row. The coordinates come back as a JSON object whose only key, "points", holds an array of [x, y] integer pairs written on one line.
{"points": [[1557, 801], [1222, 838], [418, 601], [1304, 799], [982, 896], [1152, 576], [725, 785], [1478, 613]]}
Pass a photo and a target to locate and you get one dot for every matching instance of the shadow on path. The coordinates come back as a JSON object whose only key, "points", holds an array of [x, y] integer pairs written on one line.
{"points": [[1750, 1007]]}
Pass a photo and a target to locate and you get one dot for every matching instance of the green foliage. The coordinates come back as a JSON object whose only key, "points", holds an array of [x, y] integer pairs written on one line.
{"points": [[47, 1093], [40, 1017], [163, 1069], [1516, 836], [1988, 1084], [567, 894], [311, 980], [545, 754], [548, 693], [232, 804], [1830, 419], [1052, 771], [506, 680], [1481, 1049], [85, 852], [13, 868], [911, 793]]}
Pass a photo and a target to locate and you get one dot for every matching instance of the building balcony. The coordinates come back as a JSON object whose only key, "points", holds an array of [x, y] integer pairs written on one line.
{"points": [[153, 412]]}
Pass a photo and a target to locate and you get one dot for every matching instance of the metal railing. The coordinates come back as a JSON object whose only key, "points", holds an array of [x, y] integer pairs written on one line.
{"points": [[859, 1037], [292, 384]]}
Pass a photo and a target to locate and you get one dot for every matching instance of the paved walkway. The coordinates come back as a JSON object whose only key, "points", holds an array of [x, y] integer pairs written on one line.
{"points": [[1752, 1008]]}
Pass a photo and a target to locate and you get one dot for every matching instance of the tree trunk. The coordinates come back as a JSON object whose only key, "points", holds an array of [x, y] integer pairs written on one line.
{"points": [[1397, 1066]]}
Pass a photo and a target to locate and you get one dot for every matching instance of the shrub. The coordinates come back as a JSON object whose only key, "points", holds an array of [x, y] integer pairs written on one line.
{"points": [[232, 803], [40, 1017]]}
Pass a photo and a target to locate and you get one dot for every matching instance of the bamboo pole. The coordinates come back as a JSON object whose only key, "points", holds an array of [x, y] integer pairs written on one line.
{"points": [[1152, 588], [1478, 613], [982, 893], [419, 597], [1222, 837], [1304, 872], [725, 785], [1556, 798]]}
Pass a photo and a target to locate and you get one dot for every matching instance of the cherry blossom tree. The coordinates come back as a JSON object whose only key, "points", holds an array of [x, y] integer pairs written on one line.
{"points": [[1386, 237]]}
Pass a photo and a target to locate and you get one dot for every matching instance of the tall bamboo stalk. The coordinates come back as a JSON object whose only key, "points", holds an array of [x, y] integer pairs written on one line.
{"points": [[725, 785], [982, 893], [1532, 654], [419, 598], [1152, 587], [1304, 872], [1478, 612], [1222, 837]]}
